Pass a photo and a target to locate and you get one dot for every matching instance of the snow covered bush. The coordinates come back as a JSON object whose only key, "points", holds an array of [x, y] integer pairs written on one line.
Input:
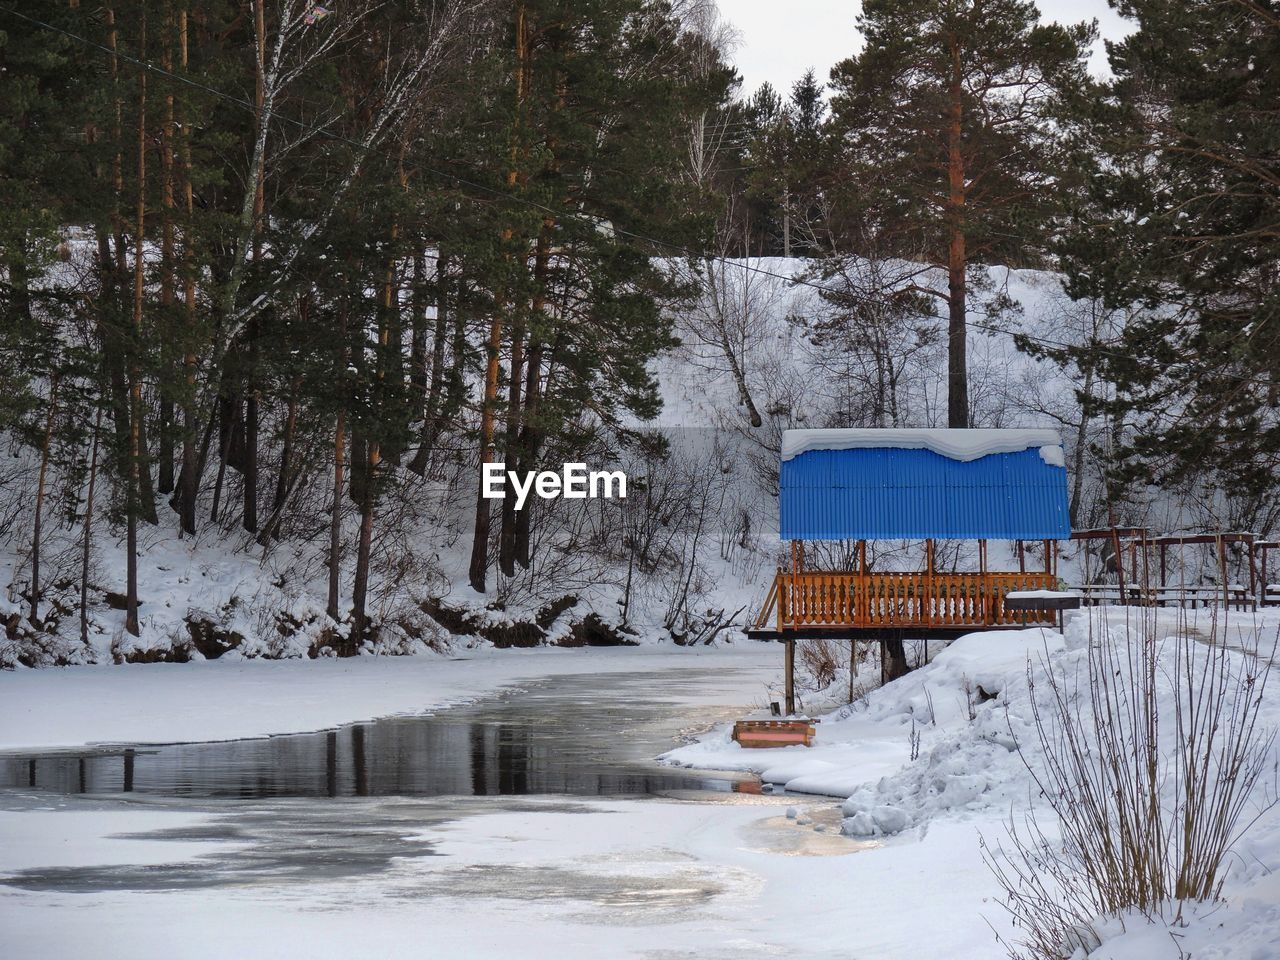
{"points": [[1150, 752]]}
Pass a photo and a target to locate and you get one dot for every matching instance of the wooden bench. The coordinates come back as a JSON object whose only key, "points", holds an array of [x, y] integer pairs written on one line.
{"points": [[1037, 600], [1108, 594], [773, 733]]}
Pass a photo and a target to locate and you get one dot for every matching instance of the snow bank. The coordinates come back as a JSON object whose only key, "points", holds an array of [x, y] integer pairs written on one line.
{"points": [[967, 713], [964, 445]]}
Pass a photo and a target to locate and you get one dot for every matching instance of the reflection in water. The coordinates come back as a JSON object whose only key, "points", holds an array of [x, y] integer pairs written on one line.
{"points": [[586, 736]]}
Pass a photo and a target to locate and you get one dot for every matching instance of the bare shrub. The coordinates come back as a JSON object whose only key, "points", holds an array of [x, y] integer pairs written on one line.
{"points": [[1149, 763], [821, 660]]}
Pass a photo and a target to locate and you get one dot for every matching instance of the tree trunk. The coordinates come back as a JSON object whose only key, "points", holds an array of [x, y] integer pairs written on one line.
{"points": [[360, 589], [249, 472], [957, 366], [226, 434], [19, 280], [418, 333], [386, 324], [88, 530], [1078, 457], [165, 478], [135, 396], [335, 517], [507, 537], [286, 451], [433, 386], [530, 447], [480, 538], [40, 483], [895, 660], [739, 377], [189, 479], [530, 433]]}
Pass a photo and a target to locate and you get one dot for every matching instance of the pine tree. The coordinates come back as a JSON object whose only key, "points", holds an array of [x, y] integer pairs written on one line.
{"points": [[806, 166], [592, 110], [1183, 223], [946, 120]]}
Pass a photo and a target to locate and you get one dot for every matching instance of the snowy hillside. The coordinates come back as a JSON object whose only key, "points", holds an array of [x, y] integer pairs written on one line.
{"points": [[223, 591]]}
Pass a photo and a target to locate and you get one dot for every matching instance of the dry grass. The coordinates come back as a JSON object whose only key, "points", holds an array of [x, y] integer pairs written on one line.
{"points": [[1150, 760]]}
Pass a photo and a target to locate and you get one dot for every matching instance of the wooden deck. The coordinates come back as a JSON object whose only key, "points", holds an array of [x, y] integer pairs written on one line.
{"points": [[815, 601]]}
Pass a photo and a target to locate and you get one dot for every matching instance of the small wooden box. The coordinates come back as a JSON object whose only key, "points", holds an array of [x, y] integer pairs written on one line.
{"points": [[773, 733]]}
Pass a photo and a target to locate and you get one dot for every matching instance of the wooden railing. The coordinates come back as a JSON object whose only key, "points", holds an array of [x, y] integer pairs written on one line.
{"points": [[815, 600]]}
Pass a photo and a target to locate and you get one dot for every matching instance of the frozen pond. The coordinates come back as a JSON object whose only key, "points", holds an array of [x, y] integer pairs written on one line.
{"points": [[580, 736], [534, 823]]}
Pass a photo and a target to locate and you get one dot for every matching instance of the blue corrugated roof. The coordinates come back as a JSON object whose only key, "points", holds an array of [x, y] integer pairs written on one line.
{"points": [[892, 493]]}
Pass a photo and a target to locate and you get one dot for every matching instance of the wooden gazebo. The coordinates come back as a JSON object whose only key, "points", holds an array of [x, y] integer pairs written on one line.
{"points": [[922, 486]]}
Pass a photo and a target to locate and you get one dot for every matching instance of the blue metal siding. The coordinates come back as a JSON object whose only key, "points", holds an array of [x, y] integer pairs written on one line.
{"points": [[893, 493]]}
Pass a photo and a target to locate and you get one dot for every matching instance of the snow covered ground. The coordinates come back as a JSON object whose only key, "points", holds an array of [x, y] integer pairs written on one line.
{"points": [[966, 712], [536, 878]]}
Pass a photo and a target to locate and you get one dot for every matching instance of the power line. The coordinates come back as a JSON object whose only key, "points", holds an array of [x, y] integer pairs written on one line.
{"points": [[583, 219]]}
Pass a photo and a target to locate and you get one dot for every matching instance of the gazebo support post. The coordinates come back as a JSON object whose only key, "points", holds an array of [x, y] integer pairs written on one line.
{"points": [[789, 656], [984, 591], [925, 600]]}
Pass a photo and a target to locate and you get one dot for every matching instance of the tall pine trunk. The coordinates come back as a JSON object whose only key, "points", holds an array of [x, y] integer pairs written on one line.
{"points": [[40, 486], [530, 442], [249, 463], [135, 387], [507, 536], [335, 517], [432, 384], [189, 479], [286, 450], [369, 495], [364, 547], [165, 477], [1081, 449], [478, 570], [418, 331], [957, 262], [87, 546]]}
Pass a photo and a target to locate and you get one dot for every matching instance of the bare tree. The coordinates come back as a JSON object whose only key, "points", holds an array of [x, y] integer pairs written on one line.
{"points": [[729, 325], [875, 324]]}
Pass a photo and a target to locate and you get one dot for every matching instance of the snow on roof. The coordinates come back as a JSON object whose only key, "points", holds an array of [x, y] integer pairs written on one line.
{"points": [[964, 445]]}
